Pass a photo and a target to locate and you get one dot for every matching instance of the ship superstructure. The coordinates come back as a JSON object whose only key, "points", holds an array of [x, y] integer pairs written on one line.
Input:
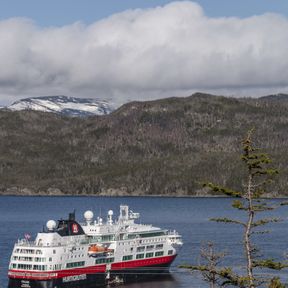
{"points": [[93, 253]]}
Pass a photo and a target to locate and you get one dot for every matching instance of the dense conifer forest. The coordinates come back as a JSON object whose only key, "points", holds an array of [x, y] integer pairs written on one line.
{"points": [[164, 147]]}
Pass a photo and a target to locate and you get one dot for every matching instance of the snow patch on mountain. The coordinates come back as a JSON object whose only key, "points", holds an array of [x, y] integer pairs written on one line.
{"points": [[70, 106]]}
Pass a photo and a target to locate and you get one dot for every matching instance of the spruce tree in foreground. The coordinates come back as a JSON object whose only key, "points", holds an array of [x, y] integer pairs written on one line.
{"points": [[258, 175], [210, 261]]}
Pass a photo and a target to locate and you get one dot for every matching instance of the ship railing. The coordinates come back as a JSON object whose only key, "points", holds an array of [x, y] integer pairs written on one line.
{"points": [[27, 243], [173, 233]]}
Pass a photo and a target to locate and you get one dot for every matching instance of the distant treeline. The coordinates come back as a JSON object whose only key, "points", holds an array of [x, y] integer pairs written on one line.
{"points": [[164, 147]]}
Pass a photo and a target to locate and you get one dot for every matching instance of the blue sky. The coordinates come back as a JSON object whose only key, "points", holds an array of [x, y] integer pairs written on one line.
{"points": [[63, 12], [120, 50]]}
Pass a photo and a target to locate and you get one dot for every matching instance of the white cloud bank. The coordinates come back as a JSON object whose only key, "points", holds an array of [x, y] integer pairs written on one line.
{"points": [[142, 54]]}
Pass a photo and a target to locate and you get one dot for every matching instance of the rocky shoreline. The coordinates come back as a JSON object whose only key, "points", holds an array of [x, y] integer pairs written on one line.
{"points": [[15, 191]]}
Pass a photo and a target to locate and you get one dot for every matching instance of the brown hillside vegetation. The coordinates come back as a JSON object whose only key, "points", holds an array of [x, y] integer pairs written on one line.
{"points": [[163, 147]]}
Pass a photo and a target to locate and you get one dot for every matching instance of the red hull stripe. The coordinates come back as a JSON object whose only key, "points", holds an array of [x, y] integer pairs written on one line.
{"points": [[31, 275], [24, 274], [142, 263]]}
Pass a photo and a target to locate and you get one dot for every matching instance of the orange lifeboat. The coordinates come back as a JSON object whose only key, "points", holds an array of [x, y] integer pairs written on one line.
{"points": [[94, 250]]}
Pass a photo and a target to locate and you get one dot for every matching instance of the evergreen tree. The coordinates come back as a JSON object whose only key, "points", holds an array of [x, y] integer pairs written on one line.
{"points": [[209, 263], [259, 174]]}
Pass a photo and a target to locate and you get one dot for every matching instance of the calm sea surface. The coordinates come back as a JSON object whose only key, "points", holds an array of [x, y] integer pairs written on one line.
{"points": [[189, 216]]}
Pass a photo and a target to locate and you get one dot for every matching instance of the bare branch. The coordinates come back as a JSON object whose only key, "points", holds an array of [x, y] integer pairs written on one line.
{"points": [[227, 221]]}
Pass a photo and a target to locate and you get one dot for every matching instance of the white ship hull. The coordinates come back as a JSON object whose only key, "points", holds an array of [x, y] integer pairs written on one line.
{"points": [[92, 254], [94, 276]]}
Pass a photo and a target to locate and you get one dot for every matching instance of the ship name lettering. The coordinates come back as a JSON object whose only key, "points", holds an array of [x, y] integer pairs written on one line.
{"points": [[74, 278], [25, 284]]}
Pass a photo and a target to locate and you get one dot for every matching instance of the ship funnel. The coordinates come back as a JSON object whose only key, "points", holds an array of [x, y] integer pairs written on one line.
{"points": [[72, 216]]}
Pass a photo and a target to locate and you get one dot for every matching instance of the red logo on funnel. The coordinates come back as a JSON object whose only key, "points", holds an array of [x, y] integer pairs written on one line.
{"points": [[75, 228]]}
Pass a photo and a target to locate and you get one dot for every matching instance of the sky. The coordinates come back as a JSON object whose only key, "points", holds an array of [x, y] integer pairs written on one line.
{"points": [[142, 49]]}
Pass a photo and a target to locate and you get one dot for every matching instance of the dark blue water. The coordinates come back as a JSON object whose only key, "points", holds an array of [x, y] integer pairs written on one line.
{"points": [[189, 216]]}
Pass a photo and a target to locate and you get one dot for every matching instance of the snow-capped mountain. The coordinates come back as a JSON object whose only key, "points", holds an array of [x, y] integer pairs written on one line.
{"points": [[69, 106]]}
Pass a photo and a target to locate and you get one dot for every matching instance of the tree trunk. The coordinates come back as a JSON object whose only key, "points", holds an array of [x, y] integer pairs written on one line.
{"points": [[248, 248]]}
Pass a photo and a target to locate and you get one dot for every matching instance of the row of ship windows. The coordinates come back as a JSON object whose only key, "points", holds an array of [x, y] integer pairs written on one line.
{"points": [[28, 251], [140, 241], [111, 238], [33, 251], [131, 243], [27, 258], [130, 257], [75, 256], [35, 267], [29, 267], [148, 255], [145, 235], [104, 238], [104, 260], [82, 263], [75, 264], [76, 249], [41, 259], [149, 247], [41, 267]]}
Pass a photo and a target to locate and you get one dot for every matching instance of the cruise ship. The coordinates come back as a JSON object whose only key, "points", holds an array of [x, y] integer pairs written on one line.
{"points": [[95, 253]]}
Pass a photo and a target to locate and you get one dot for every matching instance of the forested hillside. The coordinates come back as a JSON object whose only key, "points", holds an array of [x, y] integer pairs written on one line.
{"points": [[166, 147]]}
